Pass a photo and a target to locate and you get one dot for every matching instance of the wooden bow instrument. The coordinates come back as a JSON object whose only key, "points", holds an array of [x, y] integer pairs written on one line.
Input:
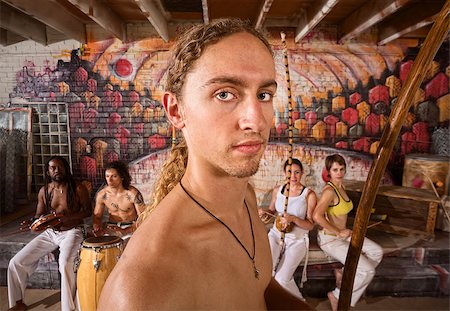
{"points": [[290, 147], [426, 54]]}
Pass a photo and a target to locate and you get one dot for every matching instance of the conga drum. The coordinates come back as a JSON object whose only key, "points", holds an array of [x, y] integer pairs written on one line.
{"points": [[97, 258]]}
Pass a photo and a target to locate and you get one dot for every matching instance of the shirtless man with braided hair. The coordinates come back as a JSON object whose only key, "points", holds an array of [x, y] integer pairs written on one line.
{"points": [[201, 244], [123, 201]]}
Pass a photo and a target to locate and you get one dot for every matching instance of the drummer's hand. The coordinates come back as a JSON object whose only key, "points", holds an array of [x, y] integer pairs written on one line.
{"points": [[120, 231], [98, 230]]}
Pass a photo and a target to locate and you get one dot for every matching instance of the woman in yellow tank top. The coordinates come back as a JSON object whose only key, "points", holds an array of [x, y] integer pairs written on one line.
{"points": [[334, 239]]}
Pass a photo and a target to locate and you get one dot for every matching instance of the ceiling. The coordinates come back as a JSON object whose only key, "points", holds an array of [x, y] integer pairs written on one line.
{"points": [[49, 21]]}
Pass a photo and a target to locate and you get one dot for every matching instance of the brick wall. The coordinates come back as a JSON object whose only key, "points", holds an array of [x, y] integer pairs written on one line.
{"points": [[343, 94]]}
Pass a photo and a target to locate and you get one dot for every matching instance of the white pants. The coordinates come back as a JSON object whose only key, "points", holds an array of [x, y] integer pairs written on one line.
{"points": [[371, 256], [296, 249], [25, 262]]}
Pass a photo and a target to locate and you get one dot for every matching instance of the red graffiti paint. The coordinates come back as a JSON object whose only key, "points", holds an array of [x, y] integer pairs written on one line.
{"points": [[420, 129], [408, 143], [92, 85], [87, 167], [139, 128], [123, 68], [342, 145], [311, 117], [113, 120], [80, 76], [117, 100], [404, 70], [122, 135], [361, 144], [281, 129], [156, 141], [372, 126], [133, 96], [350, 116], [331, 121], [355, 99], [437, 87], [90, 117], [76, 112], [379, 93]]}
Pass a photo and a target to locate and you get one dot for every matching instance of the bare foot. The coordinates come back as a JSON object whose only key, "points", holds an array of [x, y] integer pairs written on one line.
{"points": [[333, 301], [338, 274], [20, 306]]}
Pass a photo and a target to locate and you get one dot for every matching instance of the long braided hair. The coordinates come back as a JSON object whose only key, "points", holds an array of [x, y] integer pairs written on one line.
{"points": [[71, 185], [187, 50]]}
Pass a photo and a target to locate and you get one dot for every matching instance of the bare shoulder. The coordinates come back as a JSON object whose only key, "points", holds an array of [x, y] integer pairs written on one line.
{"points": [[149, 274], [133, 189], [127, 287]]}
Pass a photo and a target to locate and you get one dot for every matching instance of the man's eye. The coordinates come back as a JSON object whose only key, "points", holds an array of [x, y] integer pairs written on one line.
{"points": [[224, 95], [265, 97]]}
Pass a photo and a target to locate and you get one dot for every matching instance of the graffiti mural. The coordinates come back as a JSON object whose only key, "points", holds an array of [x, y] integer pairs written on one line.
{"points": [[343, 95]]}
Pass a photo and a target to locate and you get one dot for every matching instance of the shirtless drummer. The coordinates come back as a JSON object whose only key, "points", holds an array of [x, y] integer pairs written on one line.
{"points": [[123, 201]]}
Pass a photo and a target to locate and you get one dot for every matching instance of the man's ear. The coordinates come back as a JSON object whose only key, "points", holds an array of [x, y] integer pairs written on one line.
{"points": [[173, 110]]}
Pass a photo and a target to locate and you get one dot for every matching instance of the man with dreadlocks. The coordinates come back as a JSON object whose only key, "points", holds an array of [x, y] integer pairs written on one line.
{"points": [[201, 244], [63, 196]]}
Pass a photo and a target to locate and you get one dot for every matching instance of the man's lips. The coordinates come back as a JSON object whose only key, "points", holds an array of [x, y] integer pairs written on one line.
{"points": [[249, 147]]}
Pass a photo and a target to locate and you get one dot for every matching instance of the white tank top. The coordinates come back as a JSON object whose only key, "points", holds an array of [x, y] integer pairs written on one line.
{"points": [[297, 206]]}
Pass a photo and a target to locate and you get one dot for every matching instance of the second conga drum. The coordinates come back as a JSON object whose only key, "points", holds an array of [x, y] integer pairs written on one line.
{"points": [[97, 258]]}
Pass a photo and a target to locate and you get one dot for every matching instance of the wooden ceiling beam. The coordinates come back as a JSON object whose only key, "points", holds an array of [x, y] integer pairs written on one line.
{"points": [[418, 33], [410, 19], [262, 13], [155, 16], [22, 24], [312, 16], [8, 38], [102, 15], [369, 15], [205, 10], [62, 21]]}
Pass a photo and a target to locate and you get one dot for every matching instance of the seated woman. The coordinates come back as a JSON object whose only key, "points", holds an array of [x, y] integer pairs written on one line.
{"points": [[334, 238], [296, 222]]}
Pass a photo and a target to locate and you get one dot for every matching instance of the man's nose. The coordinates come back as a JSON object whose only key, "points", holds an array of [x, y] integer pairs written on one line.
{"points": [[255, 115]]}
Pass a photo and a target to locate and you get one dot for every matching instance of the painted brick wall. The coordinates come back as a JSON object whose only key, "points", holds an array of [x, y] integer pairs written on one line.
{"points": [[343, 94]]}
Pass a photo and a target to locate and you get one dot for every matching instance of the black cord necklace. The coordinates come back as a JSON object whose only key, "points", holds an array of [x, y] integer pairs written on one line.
{"points": [[252, 258]]}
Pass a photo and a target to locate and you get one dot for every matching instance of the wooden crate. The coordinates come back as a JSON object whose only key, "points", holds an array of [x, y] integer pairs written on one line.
{"points": [[410, 211]]}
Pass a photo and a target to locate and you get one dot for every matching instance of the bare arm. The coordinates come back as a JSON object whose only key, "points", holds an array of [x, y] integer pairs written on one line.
{"points": [[312, 203], [277, 298], [98, 211], [139, 203], [40, 208], [271, 208]]}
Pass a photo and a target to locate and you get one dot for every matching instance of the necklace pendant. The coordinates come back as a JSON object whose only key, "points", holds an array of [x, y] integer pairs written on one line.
{"points": [[255, 270]]}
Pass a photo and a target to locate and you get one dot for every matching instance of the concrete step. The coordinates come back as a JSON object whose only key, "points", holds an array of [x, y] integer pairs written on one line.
{"points": [[395, 276]]}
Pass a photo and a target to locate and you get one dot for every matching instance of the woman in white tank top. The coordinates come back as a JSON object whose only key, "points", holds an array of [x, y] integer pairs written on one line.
{"points": [[297, 222]]}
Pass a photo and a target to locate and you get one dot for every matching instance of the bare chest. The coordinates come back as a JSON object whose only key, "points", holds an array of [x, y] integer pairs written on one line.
{"points": [[119, 203]]}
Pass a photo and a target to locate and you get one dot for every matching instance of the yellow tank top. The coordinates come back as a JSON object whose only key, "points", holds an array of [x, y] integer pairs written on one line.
{"points": [[343, 207]]}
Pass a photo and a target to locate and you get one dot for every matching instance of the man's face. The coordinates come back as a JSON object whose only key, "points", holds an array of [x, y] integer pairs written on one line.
{"points": [[113, 178], [227, 105], [56, 170]]}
